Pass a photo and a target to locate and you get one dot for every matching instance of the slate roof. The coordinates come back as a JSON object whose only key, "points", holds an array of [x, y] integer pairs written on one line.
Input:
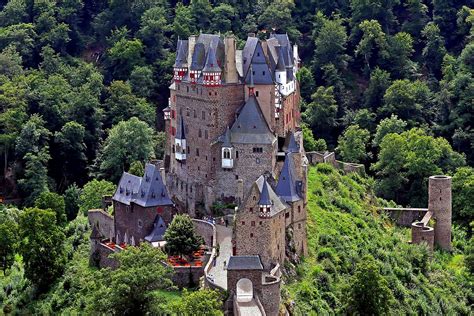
{"points": [[158, 231], [226, 139], [293, 146], [287, 187], [146, 191], [278, 204], [211, 62], [281, 60], [264, 195], [181, 54], [247, 53], [244, 263], [250, 126], [198, 57], [180, 131]]}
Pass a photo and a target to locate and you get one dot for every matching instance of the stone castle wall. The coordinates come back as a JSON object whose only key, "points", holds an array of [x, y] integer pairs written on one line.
{"points": [[103, 220], [422, 234]]}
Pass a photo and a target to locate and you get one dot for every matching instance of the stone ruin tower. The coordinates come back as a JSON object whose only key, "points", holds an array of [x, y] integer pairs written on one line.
{"points": [[439, 209], [440, 203]]}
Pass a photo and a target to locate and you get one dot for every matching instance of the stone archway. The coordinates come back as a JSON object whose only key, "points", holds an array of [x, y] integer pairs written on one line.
{"points": [[244, 290]]}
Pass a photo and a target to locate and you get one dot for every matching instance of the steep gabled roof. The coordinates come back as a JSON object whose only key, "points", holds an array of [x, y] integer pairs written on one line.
{"points": [[226, 139], [146, 191], [250, 127], [264, 195], [158, 231], [181, 54], [260, 70], [211, 62], [287, 182], [247, 53], [180, 131], [292, 145], [152, 189], [281, 60], [277, 203]]}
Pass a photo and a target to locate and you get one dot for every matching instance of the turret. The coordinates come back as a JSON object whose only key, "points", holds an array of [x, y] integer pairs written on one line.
{"points": [[280, 71], [181, 63], [265, 204], [212, 72], [180, 141], [227, 151], [439, 202]]}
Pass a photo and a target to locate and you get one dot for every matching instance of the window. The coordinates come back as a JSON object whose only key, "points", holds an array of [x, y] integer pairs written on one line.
{"points": [[197, 152], [251, 235], [299, 208], [287, 215], [243, 222], [263, 73], [256, 93], [206, 135], [200, 133], [188, 150], [237, 154], [194, 112], [258, 150], [299, 226], [140, 223], [252, 224], [236, 177], [260, 223], [251, 209], [226, 153]]}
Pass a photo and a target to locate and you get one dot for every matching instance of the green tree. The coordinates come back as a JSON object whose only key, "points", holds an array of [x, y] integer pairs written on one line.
{"points": [[321, 113], [330, 43], [160, 143], [122, 104], [378, 84], [33, 138], [306, 81], [128, 141], [8, 239], [72, 152], [92, 193], [369, 290], [35, 179], [310, 143], [223, 17], [400, 50], [373, 46], [463, 195], [410, 101], [352, 144], [416, 19], [201, 302], [201, 11], [277, 15], [378, 10], [434, 50], [41, 247], [71, 201], [124, 55], [53, 202], [153, 25], [141, 271], [136, 168], [183, 23], [141, 81], [386, 126], [180, 236]]}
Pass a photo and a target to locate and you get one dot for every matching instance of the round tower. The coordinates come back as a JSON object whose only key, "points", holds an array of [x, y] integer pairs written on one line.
{"points": [[439, 202]]}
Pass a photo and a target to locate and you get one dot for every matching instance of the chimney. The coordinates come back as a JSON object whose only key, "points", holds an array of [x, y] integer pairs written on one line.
{"points": [[191, 44], [230, 70]]}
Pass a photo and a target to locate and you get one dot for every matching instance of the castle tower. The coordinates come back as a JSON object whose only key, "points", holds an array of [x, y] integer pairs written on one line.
{"points": [[439, 202]]}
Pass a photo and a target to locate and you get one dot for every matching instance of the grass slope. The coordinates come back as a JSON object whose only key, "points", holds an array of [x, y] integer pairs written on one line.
{"points": [[343, 227]]}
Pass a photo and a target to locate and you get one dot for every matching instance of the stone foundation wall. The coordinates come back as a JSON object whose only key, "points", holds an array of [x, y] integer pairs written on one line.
{"points": [[406, 217], [187, 276]]}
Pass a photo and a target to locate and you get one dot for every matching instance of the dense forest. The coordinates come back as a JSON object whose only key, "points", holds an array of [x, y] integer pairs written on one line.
{"points": [[385, 83]]}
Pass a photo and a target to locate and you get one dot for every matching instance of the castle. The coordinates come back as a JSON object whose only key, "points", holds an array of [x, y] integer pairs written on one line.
{"points": [[232, 136]]}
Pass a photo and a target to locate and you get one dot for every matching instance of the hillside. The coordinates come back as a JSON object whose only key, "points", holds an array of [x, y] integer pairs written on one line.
{"points": [[343, 227]]}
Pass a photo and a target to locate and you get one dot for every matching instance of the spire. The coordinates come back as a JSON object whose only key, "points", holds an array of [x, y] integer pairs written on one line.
{"points": [[227, 138], [211, 62], [281, 61], [292, 145], [286, 187], [180, 131], [251, 85], [265, 195]]}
